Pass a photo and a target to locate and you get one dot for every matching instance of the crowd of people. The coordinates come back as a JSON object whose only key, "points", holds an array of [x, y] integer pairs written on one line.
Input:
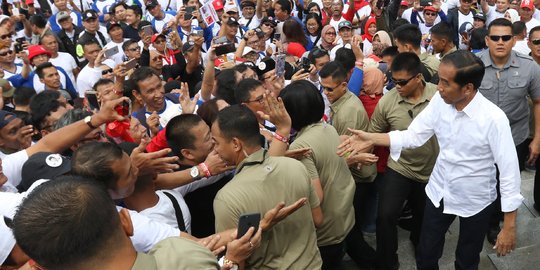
{"points": [[259, 134]]}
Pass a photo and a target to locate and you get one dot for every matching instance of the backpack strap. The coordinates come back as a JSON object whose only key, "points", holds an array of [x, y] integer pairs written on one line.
{"points": [[177, 211]]}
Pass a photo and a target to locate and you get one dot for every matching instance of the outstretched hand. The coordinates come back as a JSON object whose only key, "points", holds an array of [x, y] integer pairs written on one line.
{"points": [[279, 213], [275, 113], [152, 163]]}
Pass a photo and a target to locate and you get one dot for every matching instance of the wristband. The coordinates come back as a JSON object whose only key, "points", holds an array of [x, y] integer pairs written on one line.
{"points": [[359, 63], [205, 170], [281, 138]]}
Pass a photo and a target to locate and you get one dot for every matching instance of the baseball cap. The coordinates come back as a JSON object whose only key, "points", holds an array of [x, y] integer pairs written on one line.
{"points": [[232, 21], [36, 50], [111, 25], [6, 118], [89, 14], [142, 24], [188, 46], [29, 2], [247, 50], [231, 8], [430, 8], [266, 65], [8, 90], [269, 19], [43, 165], [480, 16], [155, 36], [404, 3], [344, 24], [247, 3], [527, 4], [296, 49], [151, 4], [218, 5], [7, 241], [62, 15]]}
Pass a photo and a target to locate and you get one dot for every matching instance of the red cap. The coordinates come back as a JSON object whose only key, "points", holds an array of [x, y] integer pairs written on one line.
{"points": [[404, 3], [431, 8], [296, 49], [29, 2], [36, 50], [527, 4], [218, 5], [155, 36]]}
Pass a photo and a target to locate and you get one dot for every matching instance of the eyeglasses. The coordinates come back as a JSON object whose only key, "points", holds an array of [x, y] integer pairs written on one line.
{"points": [[430, 14], [535, 42], [269, 25], [258, 99], [403, 82], [331, 33], [6, 53], [330, 89], [467, 1], [135, 49], [6, 36], [106, 71], [505, 38]]}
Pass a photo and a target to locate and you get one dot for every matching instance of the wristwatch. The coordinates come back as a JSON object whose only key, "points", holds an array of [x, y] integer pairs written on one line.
{"points": [[88, 121], [224, 261], [195, 173]]}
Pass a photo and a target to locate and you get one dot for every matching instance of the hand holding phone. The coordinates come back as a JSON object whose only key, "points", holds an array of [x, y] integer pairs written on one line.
{"points": [[245, 221], [111, 51], [131, 64]]}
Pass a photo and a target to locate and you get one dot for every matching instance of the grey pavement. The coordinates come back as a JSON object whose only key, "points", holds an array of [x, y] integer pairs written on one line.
{"points": [[525, 256]]}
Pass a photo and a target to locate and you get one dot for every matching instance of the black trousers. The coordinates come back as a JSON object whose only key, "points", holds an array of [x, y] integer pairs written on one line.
{"points": [[394, 189], [536, 189], [331, 256], [472, 231]]}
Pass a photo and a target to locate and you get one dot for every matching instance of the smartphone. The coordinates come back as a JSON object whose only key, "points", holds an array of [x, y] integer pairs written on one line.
{"points": [[131, 64], [111, 51], [425, 3], [92, 99], [15, 11], [259, 32], [280, 65], [19, 44], [245, 221], [277, 36], [189, 13], [225, 49], [305, 64], [147, 30], [124, 109], [199, 33], [220, 40]]}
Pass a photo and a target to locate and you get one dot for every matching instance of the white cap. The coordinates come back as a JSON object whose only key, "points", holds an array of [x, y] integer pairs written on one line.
{"points": [[7, 241], [247, 50]]}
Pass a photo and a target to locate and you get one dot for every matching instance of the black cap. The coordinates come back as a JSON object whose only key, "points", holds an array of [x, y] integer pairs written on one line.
{"points": [[232, 21], [269, 19], [89, 14], [266, 65], [188, 46], [112, 25], [151, 4], [43, 165]]}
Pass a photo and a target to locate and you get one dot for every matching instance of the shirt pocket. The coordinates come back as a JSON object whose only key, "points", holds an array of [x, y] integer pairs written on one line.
{"points": [[517, 87], [488, 91]]}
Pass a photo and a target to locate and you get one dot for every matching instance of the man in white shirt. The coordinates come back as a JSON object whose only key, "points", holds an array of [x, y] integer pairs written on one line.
{"points": [[62, 59], [519, 30], [494, 12], [526, 11], [92, 72], [116, 33], [473, 135]]}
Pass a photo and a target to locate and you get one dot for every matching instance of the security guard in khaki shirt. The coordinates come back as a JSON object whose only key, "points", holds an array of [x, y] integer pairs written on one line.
{"points": [[260, 183], [406, 178]]}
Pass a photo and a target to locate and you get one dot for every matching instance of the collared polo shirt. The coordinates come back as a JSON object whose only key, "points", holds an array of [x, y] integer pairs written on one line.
{"points": [[394, 112], [431, 62]]}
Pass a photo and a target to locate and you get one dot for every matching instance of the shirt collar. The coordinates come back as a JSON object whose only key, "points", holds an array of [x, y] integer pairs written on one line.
{"points": [[425, 96], [255, 158], [472, 109], [336, 105], [512, 61], [144, 262]]}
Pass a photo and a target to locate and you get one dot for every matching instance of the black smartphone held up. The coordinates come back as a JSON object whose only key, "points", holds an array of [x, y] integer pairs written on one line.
{"points": [[189, 13], [19, 44], [305, 64], [425, 3], [277, 36], [92, 99], [245, 221], [225, 49]]}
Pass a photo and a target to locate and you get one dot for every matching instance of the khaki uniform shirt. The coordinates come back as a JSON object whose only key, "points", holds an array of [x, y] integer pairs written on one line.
{"points": [[176, 253], [431, 62], [260, 183], [508, 89], [394, 112], [349, 112], [336, 180], [447, 53]]}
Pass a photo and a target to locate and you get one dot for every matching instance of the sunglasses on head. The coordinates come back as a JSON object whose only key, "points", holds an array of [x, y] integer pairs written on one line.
{"points": [[106, 71], [535, 42], [403, 82], [6, 53], [496, 38]]}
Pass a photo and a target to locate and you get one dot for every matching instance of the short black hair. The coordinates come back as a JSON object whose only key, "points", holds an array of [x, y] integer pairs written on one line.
{"points": [[500, 22], [407, 61], [399, 22], [409, 34], [244, 87], [390, 51], [178, 133], [534, 29], [66, 222], [335, 70], [470, 68], [208, 111], [478, 39], [443, 30], [94, 160], [42, 67], [141, 74], [38, 20], [316, 53], [128, 43], [88, 41], [285, 5], [237, 121], [225, 84], [518, 28], [112, 10], [101, 82], [22, 95], [303, 102], [346, 57], [136, 9], [42, 105]]}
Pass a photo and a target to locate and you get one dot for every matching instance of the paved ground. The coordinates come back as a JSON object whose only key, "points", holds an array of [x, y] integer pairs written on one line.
{"points": [[525, 257]]}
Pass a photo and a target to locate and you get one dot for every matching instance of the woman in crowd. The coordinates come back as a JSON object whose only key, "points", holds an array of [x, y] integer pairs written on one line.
{"points": [[293, 33], [313, 28], [328, 37]]}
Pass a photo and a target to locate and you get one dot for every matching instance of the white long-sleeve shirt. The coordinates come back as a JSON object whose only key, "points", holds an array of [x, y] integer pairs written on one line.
{"points": [[471, 142]]}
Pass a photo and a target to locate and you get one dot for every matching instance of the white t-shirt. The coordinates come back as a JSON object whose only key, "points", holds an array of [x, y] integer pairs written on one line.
{"points": [[159, 24], [171, 110], [18, 70], [39, 86], [12, 167], [87, 78], [119, 57], [461, 20], [255, 22], [521, 47], [493, 14], [532, 24], [67, 62]]}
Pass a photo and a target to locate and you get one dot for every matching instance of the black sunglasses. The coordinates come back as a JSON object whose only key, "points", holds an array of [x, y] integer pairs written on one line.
{"points": [[328, 89], [505, 38], [403, 82], [106, 71], [6, 53], [535, 42], [6, 36]]}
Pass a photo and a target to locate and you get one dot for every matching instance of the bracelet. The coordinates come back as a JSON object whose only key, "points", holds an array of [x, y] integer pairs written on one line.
{"points": [[359, 63], [205, 170], [228, 262], [281, 138]]}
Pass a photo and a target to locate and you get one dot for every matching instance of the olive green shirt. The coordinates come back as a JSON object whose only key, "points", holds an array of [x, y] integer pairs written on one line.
{"points": [[336, 180], [260, 183], [349, 112], [431, 62], [176, 253], [394, 112]]}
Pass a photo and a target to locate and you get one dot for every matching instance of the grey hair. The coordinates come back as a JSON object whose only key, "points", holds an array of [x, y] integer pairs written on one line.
{"points": [[71, 117]]}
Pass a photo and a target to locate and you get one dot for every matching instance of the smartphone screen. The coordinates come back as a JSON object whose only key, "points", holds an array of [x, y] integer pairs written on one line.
{"points": [[147, 30], [111, 51], [280, 65], [131, 64]]}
